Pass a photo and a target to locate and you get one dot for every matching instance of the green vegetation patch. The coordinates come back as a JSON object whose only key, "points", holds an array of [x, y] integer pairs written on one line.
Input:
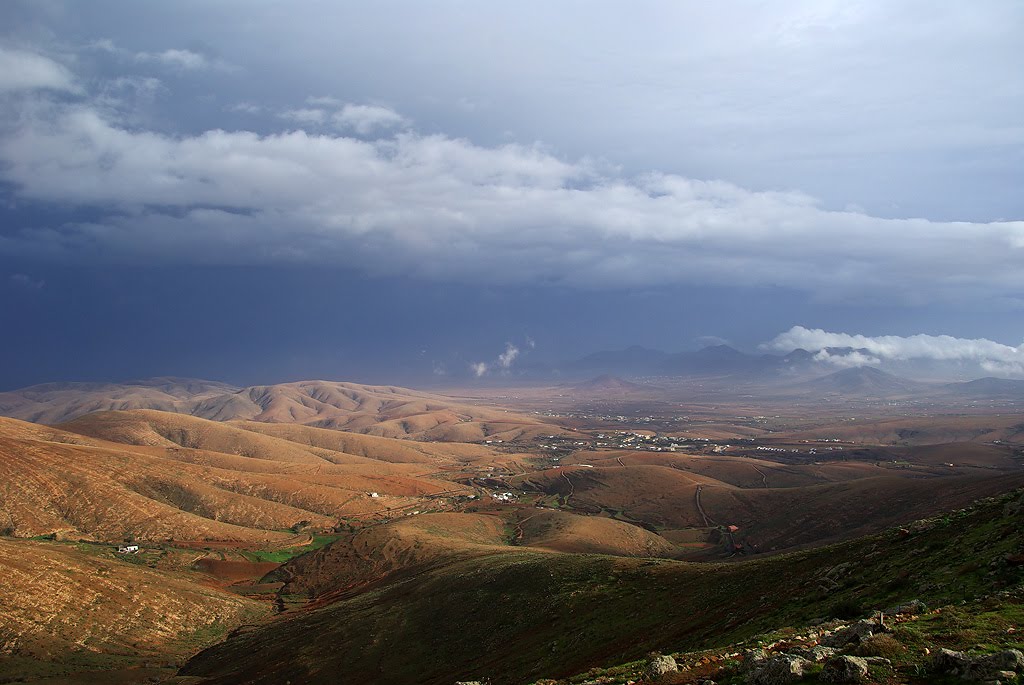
{"points": [[279, 556]]}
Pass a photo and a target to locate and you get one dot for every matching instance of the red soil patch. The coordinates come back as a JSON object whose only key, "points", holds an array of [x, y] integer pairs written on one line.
{"points": [[236, 571]]}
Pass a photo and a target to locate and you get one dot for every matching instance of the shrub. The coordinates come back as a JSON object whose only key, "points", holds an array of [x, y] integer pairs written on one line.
{"points": [[880, 645]]}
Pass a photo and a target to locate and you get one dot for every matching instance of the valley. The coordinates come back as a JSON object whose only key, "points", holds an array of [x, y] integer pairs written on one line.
{"points": [[329, 511]]}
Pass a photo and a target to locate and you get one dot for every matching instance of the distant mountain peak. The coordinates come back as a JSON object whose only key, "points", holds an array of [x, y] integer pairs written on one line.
{"points": [[607, 383], [861, 380]]}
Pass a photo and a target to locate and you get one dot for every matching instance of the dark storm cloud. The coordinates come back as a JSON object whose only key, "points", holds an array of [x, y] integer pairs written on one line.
{"points": [[727, 168], [442, 207]]}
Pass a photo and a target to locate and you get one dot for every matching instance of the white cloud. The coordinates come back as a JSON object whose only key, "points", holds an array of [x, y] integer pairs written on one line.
{"points": [[247, 108], [992, 356], [847, 360], [21, 70], [503, 363], [445, 208], [175, 58], [507, 358], [365, 119]]}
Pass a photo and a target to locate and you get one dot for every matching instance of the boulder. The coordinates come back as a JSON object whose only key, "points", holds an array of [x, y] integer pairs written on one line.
{"points": [[988, 667], [777, 670], [914, 606], [950, 662], [845, 669], [816, 653], [660, 665], [852, 634], [985, 668], [752, 657]]}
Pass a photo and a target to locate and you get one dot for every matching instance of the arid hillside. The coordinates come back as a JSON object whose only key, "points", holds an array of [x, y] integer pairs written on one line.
{"points": [[385, 411], [815, 506], [65, 599], [57, 402], [376, 554], [149, 475], [369, 516], [524, 615]]}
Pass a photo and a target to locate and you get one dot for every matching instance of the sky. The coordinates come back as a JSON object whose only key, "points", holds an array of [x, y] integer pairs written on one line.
{"points": [[416, 192]]}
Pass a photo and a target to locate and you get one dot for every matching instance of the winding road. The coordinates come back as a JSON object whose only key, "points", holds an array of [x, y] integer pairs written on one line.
{"points": [[708, 521], [764, 476], [572, 488]]}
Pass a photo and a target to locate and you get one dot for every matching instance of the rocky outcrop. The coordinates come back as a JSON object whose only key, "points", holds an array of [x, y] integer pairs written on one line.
{"points": [[777, 670], [914, 606], [845, 669], [816, 653], [987, 668], [852, 634], [660, 665]]}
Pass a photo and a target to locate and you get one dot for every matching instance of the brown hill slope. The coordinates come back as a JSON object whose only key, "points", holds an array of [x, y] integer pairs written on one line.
{"points": [[562, 531], [670, 499], [60, 599], [227, 484], [385, 411], [521, 615], [922, 430], [57, 402], [375, 554]]}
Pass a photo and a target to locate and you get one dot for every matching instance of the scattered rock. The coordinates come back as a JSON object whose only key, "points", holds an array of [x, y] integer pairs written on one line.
{"points": [[852, 634], [914, 606], [777, 670], [660, 665], [816, 653], [984, 668], [845, 669], [948, 661], [989, 666], [752, 657]]}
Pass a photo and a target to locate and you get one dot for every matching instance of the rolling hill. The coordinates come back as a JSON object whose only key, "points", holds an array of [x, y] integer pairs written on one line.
{"points": [[74, 608], [154, 476], [523, 615], [384, 411], [986, 388], [828, 505], [861, 380], [458, 560]]}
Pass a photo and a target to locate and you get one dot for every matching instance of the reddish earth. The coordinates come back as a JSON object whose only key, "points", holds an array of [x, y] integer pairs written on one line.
{"points": [[263, 479], [231, 572]]}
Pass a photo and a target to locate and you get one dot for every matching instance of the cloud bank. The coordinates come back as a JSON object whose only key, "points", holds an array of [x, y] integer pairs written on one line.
{"points": [[871, 350], [445, 208], [21, 70]]}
